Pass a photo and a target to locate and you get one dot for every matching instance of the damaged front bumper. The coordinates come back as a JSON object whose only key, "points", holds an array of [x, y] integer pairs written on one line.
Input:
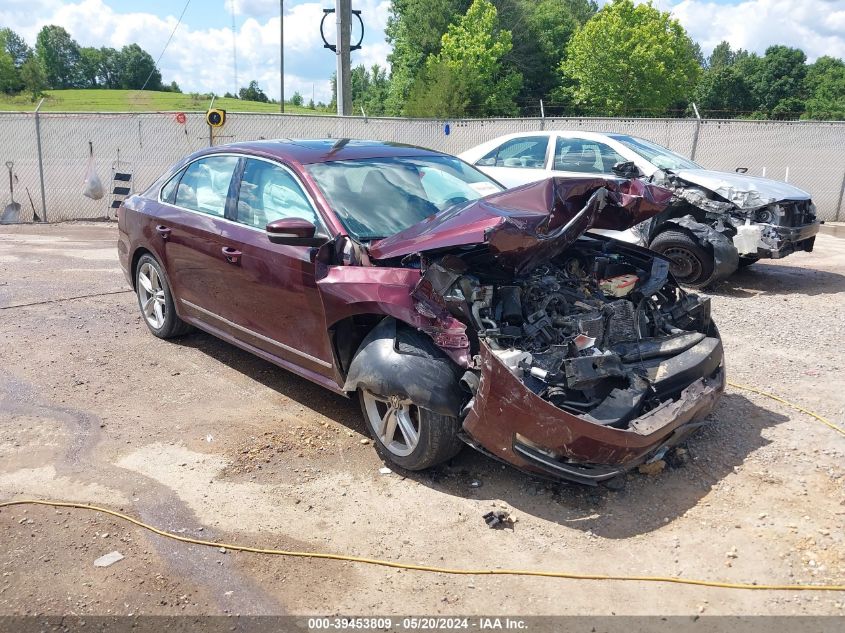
{"points": [[780, 241], [513, 424]]}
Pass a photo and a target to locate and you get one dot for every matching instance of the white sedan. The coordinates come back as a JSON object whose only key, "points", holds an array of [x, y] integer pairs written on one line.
{"points": [[717, 221]]}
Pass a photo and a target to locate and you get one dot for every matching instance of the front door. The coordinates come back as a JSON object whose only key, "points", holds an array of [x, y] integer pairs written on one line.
{"points": [[273, 297], [517, 161]]}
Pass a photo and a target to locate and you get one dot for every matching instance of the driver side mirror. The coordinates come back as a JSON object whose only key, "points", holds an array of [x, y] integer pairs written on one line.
{"points": [[294, 232], [627, 170]]}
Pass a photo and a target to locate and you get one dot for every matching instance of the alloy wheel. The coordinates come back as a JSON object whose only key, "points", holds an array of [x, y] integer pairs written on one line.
{"points": [[395, 422], [151, 295]]}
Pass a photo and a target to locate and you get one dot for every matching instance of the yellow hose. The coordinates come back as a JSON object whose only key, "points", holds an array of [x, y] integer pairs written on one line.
{"points": [[447, 570], [438, 570], [818, 417]]}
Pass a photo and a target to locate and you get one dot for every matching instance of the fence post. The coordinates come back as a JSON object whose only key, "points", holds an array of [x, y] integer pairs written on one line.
{"points": [[695, 134], [542, 116], [40, 159], [841, 195]]}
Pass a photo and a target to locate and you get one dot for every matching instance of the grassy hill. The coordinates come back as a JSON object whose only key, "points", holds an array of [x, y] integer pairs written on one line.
{"points": [[136, 101]]}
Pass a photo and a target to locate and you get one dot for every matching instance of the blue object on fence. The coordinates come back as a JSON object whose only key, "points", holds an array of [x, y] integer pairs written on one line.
{"points": [[447, 129]]}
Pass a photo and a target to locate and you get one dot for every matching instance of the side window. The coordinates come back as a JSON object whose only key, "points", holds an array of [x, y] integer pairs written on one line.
{"points": [[205, 184], [527, 152], [168, 191], [269, 192], [581, 155]]}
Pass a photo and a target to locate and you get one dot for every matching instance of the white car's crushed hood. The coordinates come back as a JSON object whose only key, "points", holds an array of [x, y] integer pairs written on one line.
{"points": [[746, 192]]}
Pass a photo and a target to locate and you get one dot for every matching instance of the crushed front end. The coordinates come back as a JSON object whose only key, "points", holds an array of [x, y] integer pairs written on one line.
{"points": [[589, 364], [585, 357], [741, 218]]}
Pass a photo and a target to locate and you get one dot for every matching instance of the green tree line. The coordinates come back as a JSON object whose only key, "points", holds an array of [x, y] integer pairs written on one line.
{"points": [[455, 58], [59, 62]]}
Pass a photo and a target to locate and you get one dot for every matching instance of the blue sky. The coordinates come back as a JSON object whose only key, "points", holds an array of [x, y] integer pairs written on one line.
{"points": [[200, 56]]}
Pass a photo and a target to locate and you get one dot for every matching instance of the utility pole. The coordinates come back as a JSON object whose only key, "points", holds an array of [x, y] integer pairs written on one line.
{"points": [[282, 56], [343, 16]]}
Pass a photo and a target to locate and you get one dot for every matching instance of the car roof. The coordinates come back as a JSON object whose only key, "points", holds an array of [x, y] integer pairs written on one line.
{"points": [[308, 151], [580, 133]]}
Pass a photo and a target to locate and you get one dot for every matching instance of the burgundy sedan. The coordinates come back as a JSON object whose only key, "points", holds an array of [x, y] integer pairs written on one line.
{"points": [[455, 311]]}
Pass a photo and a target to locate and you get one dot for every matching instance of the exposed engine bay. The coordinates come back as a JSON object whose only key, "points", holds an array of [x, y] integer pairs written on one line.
{"points": [[590, 331]]}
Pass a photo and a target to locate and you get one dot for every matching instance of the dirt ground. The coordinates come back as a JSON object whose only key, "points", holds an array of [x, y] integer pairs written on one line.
{"points": [[200, 438]]}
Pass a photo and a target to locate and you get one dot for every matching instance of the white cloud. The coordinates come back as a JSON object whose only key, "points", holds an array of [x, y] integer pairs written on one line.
{"points": [[815, 26], [200, 60]]}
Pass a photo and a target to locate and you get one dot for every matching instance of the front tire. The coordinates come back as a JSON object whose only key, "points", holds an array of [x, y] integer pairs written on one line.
{"points": [[407, 435], [156, 300], [691, 263]]}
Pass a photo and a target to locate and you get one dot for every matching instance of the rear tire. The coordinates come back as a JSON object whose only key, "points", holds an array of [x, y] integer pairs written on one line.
{"points": [[746, 260], [407, 435], [691, 263], [156, 300]]}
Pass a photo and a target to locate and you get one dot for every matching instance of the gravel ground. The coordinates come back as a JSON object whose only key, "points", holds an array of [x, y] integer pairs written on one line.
{"points": [[203, 439]]}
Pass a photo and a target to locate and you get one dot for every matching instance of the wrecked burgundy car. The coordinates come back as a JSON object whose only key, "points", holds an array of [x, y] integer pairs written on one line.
{"points": [[716, 221], [455, 311]]}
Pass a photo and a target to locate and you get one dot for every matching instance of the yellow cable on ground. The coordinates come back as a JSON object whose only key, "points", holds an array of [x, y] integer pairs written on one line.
{"points": [[428, 568], [463, 572], [818, 417]]}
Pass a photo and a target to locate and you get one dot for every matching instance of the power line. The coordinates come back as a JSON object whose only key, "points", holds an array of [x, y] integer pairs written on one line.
{"points": [[167, 43]]}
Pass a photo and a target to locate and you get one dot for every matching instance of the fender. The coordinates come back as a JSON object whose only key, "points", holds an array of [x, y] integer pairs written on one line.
{"points": [[404, 362], [725, 254]]}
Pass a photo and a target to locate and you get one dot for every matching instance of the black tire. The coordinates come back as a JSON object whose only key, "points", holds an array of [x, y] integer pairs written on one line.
{"points": [[437, 441], [746, 260], [170, 324], [692, 264]]}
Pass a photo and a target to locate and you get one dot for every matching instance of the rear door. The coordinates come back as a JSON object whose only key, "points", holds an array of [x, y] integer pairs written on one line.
{"points": [[272, 293], [578, 157], [192, 223], [518, 161]]}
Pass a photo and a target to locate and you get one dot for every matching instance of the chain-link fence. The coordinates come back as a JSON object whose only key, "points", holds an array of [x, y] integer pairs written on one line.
{"points": [[810, 155]]}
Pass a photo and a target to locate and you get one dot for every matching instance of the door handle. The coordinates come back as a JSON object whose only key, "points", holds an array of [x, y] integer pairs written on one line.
{"points": [[232, 255], [163, 231]]}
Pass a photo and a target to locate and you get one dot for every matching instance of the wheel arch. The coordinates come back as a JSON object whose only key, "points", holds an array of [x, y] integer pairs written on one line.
{"points": [[133, 264], [396, 359]]}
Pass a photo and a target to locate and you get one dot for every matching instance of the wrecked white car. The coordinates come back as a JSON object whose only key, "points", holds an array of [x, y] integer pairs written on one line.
{"points": [[717, 222]]}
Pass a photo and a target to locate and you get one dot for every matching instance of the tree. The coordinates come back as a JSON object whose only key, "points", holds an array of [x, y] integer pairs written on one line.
{"points": [[253, 93], [9, 78], [33, 76], [779, 84], [631, 58], [414, 30], [59, 55], [825, 86], [110, 68], [135, 66], [439, 91], [722, 56], [15, 45], [90, 67], [541, 30], [474, 46], [723, 92], [296, 99], [369, 89]]}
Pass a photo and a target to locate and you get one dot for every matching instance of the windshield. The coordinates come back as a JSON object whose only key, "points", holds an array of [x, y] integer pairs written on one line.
{"points": [[657, 155], [377, 197]]}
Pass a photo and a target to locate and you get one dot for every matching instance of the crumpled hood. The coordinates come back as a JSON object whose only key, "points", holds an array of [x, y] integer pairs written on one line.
{"points": [[746, 192], [529, 224]]}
